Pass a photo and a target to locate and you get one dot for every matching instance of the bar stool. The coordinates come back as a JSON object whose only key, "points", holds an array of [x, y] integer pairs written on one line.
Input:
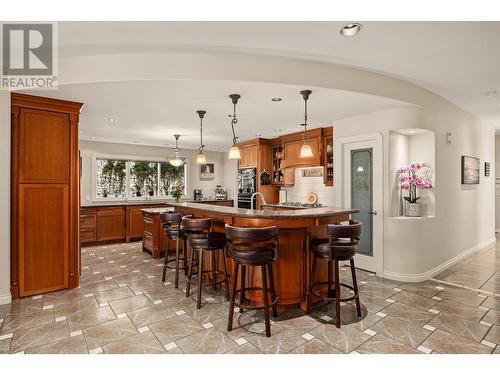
{"points": [[201, 239], [253, 247], [341, 245], [171, 223]]}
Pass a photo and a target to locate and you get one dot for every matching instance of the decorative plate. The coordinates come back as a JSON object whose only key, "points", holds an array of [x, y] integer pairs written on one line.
{"points": [[312, 198]]}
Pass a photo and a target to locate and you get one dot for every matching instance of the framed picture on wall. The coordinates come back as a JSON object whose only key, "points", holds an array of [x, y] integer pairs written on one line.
{"points": [[207, 171], [470, 170]]}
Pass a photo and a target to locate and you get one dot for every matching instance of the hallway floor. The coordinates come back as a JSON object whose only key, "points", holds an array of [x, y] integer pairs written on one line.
{"points": [[123, 307]]}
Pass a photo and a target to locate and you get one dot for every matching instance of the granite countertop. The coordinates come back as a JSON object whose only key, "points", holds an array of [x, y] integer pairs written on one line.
{"points": [[268, 214], [157, 210], [144, 202], [277, 205]]}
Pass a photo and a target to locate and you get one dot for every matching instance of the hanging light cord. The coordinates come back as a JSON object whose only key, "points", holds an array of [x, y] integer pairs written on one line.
{"points": [[305, 138], [234, 121]]}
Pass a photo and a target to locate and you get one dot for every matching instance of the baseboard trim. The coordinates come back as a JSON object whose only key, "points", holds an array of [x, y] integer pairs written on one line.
{"points": [[418, 277], [5, 299]]}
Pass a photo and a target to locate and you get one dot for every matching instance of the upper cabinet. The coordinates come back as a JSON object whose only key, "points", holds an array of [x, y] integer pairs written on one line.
{"points": [[249, 156], [292, 144], [328, 155]]}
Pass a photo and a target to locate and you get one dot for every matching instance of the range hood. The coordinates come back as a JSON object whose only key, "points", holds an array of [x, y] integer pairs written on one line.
{"points": [[297, 162]]}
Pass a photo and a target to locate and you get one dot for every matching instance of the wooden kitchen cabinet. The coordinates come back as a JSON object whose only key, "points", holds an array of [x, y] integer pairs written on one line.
{"points": [[45, 195], [111, 224], [291, 152], [88, 225], [135, 223], [249, 156], [289, 177]]}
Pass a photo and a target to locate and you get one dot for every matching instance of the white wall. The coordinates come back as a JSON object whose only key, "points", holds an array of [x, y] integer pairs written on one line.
{"points": [[5, 296], [416, 249], [222, 167], [305, 185], [495, 171]]}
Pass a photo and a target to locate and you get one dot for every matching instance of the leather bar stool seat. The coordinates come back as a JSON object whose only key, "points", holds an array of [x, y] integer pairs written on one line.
{"points": [[341, 245], [255, 247], [202, 239]]}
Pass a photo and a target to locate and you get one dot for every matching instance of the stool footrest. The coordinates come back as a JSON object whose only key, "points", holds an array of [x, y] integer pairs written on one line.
{"points": [[173, 260], [316, 284], [253, 307]]}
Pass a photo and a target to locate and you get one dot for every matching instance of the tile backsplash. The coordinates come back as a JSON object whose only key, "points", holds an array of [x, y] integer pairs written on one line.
{"points": [[305, 185]]}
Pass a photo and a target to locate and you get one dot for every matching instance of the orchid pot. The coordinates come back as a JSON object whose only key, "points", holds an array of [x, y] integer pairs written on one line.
{"points": [[411, 182]]}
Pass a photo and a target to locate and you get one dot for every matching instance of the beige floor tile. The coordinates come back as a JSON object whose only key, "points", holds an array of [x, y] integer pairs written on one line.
{"points": [[462, 296], [208, 341], [20, 321], [426, 288], [415, 300], [281, 341], [90, 317], [345, 339], [149, 315], [492, 302], [108, 295], [493, 335], [407, 313], [175, 328], [315, 346], [245, 349], [461, 327], [5, 346], [459, 310], [144, 343], [492, 316], [447, 343], [129, 304], [72, 345], [300, 325], [106, 333], [33, 337], [380, 344], [376, 290], [75, 306], [402, 331]]}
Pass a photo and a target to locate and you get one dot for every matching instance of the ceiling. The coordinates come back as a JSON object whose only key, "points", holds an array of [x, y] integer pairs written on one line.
{"points": [[458, 60], [151, 112]]}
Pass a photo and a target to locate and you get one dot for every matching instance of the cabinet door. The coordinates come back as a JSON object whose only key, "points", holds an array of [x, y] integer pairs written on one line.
{"points": [[289, 177], [45, 139], [244, 153], [43, 223], [252, 156], [110, 223], [135, 223], [292, 152]]}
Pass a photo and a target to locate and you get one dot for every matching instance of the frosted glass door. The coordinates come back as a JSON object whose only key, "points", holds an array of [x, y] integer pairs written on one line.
{"points": [[362, 196]]}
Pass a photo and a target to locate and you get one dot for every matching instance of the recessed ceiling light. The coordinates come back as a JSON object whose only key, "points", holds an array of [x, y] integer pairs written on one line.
{"points": [[276, 99], [112, 120], [412, 131], [81, 131], [93, 137], [351, 29], [491, 93]]}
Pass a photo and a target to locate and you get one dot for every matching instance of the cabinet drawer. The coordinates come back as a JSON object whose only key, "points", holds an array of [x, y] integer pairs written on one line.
{"points": [[87, 221], [87, 235]]}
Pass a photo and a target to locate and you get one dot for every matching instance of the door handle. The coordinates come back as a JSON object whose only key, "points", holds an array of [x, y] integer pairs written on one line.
{"points": [[372, 213]]}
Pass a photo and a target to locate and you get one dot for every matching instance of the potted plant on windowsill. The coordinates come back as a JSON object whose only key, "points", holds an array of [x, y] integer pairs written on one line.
{"points": [[411, 181], [176, 192]]}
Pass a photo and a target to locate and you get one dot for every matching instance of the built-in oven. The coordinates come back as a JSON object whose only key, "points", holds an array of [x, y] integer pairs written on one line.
{"points": [[245, 201], [246, 186]]}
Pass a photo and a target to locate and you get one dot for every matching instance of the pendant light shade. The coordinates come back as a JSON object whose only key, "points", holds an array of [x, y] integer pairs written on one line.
{"points": [[305, 150], [201, 158], [177, 160], [234, 152]]}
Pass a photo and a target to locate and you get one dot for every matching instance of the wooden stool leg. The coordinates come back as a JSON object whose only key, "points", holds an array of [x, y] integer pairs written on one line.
{"points": [[233, 297], [310, 286], [330, 280], [177, 249], [273, 290], [214, 269], [266, 301], [185, 262], [200, 278], [355, 286], [190, 274], [337, 293], [224, 268], [243, 277], [165, 263]]}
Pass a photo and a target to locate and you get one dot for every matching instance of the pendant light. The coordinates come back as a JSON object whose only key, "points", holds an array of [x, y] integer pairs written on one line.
{"points": [[234, 152], [305, 150], [177, 160], [201, 158]]}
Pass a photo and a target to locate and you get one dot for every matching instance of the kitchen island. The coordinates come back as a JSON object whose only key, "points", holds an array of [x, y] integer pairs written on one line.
{"points": [[292, 266]]}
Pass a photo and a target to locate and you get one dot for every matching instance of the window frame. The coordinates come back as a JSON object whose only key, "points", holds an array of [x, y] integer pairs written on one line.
{"points": [[128, 159]]}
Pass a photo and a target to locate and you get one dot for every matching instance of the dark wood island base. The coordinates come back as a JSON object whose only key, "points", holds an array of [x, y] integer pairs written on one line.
{"points": [[292, 266]]}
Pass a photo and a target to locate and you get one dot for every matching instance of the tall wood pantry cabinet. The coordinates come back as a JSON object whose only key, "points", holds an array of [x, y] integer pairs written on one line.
{"points": [[44, 195]]}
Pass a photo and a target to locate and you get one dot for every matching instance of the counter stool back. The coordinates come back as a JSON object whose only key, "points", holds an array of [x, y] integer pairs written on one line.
{"points": [[341, 245], [202, 239], [253, 247], [171, 222]]}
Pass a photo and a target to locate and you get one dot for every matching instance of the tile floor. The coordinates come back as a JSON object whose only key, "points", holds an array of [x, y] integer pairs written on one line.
{"points": [[123, 307]]}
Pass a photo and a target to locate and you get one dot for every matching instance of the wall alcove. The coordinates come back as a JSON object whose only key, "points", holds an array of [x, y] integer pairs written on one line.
{"points": [[406, 146]]}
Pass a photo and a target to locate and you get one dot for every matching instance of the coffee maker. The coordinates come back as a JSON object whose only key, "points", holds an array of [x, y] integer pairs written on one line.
{"points": [[197, 195]]}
